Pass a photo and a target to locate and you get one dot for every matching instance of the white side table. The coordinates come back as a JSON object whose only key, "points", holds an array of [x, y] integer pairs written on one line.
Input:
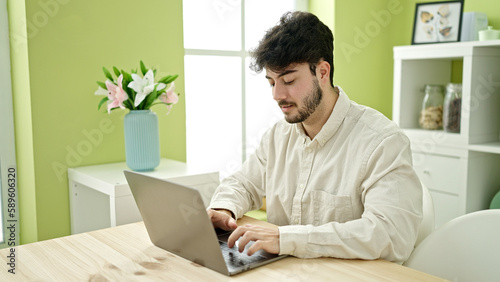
{"points": [[100, 196]]}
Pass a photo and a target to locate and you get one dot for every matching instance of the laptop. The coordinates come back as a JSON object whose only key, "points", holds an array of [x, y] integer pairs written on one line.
{"points": [[177, 221]]}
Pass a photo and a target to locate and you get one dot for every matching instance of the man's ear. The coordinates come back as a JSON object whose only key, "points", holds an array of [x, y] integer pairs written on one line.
{"points": [[323, 72]]}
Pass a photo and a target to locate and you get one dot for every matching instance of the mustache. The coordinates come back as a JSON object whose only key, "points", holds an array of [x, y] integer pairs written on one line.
{"points": [[286, 103]]}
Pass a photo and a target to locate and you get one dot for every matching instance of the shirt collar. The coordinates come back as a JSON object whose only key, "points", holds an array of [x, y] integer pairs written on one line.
{"points": [[334, 121]]}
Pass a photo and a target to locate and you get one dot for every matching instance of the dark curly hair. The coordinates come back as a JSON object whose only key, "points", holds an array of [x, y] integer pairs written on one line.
{"points": [[299, 37]]}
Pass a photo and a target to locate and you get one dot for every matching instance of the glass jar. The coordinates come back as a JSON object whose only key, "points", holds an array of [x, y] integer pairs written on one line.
{"points": [[431, 116], [452, 107]]}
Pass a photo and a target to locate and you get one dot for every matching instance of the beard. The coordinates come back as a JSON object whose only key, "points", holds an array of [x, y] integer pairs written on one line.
{"points": [[310, 103]]}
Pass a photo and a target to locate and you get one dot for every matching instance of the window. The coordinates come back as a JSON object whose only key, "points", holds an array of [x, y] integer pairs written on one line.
{"points": [[228, 107]]}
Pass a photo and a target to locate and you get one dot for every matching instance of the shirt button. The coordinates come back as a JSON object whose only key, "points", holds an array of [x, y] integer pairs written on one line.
{"points": [[296, 221], [301, 185]]}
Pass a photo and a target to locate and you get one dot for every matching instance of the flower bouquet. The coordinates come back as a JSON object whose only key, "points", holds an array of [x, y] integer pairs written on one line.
{"points": [[140, 125], [133, 92]]}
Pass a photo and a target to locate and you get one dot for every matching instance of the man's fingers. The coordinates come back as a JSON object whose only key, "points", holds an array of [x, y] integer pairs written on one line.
{"points": [[263, 238], [250, 235], [222, 219], [237, 233], [258, 245], [231, 223], [245, 239]]}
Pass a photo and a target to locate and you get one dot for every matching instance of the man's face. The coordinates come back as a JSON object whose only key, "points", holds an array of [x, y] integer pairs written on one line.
{"points": [[296, 90]]}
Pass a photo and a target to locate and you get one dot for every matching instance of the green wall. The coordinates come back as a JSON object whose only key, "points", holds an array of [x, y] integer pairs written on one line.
{"points": [[365, 33], [55, 67], [324, 10]]}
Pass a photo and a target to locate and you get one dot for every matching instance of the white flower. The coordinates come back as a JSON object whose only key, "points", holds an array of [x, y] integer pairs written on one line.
{"points": [[101, 91], [144, 86]]}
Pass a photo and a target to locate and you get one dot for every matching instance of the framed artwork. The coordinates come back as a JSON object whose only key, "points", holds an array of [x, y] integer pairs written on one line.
{"points": [[437, 22]]}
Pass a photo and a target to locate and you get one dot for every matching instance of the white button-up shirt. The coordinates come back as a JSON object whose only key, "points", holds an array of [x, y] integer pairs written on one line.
{"points": [[351, 192]]}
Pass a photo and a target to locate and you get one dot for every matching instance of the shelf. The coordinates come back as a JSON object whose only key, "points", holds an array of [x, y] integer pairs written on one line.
{"points": [[465, 163], [491, 147], [428, 132], [416, 66], [437, 138], [443, 50]]}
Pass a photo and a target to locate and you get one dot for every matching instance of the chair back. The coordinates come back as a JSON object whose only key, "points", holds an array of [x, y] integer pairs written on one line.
{"points": [[466, 248], [495, 202], [428, 220]]}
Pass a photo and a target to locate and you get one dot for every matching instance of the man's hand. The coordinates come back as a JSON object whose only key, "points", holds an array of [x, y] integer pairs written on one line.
{"points": [[267, 239], [222, 219]]}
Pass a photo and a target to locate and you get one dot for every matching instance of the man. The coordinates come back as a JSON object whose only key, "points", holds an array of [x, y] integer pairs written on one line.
{"points": [[337, 176]]}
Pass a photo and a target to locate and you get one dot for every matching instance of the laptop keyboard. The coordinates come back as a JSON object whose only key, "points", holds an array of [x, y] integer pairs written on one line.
{"points": [[235, 258]]}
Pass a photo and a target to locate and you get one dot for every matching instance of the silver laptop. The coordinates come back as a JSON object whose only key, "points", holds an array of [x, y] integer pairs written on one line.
{"points": [[176, 220]]}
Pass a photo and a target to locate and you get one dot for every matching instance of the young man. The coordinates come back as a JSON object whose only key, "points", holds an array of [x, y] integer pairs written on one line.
{"points": [[337, 176]]}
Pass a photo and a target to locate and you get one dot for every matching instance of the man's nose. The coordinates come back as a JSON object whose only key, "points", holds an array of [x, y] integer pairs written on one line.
{"points": [[279, 93]]}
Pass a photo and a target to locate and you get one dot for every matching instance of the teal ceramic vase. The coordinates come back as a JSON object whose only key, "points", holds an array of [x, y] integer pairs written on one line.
{"points": [[142, 140]]}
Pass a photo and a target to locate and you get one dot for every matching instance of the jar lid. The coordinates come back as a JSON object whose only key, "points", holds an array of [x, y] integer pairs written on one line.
{"points": [[433, 87], [456, 87]]}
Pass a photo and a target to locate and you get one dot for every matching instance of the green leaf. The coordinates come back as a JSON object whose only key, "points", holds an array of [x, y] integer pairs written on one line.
{"points": [[161, 103], [117, 71], [168, 79], [150, 98], [158, 103], [129, 104], [126, 76], [154, 72], [130, 93], [107, 73], [104, 100], [101, 84], [143, 68], [158, 93]]}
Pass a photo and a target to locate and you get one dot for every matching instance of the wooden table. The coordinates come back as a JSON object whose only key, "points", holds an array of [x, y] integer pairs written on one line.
{"points": [[125, 253]]}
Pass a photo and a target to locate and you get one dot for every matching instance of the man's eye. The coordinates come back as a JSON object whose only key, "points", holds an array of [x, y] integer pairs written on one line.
{"points": [[289, 82]]}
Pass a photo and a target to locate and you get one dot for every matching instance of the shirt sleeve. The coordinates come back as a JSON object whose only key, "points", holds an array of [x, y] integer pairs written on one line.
{"points": [[388, 227], [243, 190]]}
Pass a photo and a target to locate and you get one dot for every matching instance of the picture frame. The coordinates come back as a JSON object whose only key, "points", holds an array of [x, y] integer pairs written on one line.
{"points": [[437, 22]]}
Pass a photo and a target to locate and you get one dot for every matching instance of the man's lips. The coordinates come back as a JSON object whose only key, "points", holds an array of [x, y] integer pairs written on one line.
{"points": [[285, 107]]}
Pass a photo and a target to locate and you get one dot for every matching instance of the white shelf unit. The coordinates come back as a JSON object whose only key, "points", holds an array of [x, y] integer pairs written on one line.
{"points": [[462, 170], [100, 196]]}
